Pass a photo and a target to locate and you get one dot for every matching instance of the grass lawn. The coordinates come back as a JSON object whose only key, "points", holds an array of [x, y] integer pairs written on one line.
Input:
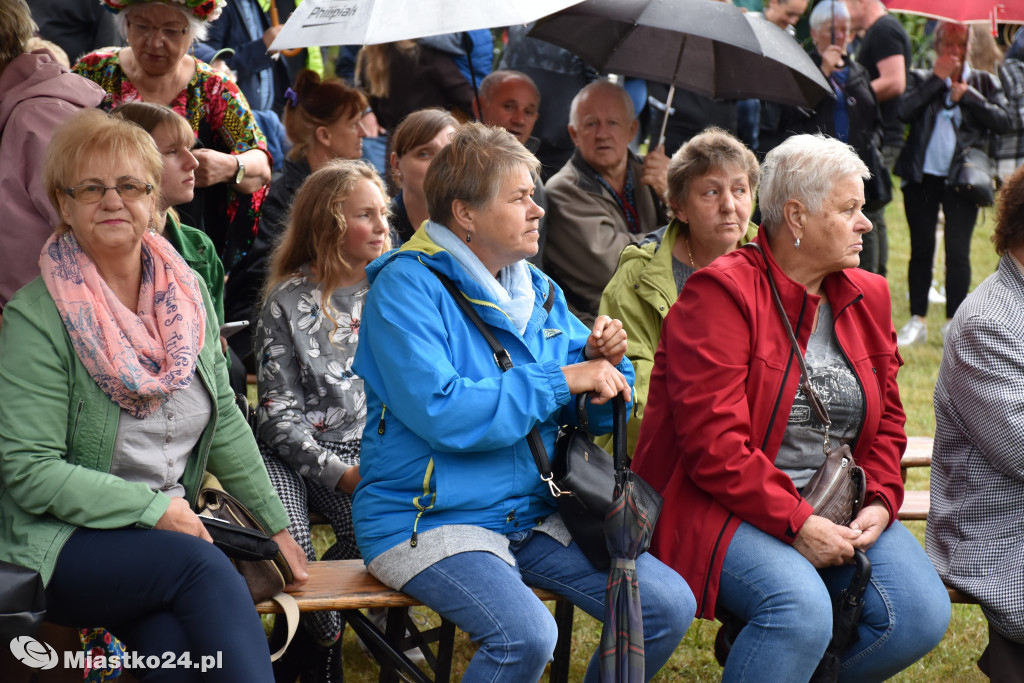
{"points": [[954, 659]]}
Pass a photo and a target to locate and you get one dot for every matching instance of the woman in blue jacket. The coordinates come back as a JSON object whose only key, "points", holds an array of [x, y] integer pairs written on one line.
{"points": [[451, 508]]}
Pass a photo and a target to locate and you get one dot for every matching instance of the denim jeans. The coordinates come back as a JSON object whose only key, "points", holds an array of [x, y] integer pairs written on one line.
{"points": [[787, 605], [161, 591], [492, 602]]}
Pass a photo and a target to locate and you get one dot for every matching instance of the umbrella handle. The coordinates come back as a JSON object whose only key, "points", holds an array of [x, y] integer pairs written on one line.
{"points": [[664, 120], [275, 20]]}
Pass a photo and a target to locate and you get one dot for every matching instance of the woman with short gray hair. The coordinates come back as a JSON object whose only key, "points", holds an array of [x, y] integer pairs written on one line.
{"points": [[730, 439]]}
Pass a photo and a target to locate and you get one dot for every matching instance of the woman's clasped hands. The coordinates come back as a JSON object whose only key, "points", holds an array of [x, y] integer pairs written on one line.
{"points": [[598, 375]]}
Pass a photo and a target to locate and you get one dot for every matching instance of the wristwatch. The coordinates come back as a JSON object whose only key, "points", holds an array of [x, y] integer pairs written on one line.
{"points": [[240, 173]]}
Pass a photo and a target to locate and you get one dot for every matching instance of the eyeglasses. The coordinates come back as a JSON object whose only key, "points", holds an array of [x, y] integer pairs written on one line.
{"points": [[90, 194], [168, 33]]}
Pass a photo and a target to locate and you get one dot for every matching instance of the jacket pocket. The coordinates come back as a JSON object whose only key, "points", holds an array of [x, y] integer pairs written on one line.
{"points": [[75, 424]]}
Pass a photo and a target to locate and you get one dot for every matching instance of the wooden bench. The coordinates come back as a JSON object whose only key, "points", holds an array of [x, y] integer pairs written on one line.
{"points": [[346, 586]]}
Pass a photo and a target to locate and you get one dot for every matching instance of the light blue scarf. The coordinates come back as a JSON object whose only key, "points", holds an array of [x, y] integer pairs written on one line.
{"points": [[512, 291]]}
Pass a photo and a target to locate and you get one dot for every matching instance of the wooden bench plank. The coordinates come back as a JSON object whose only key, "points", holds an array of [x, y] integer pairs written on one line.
{"points": [[345, 584], [960, 598], [915, 505], [918, 453]]}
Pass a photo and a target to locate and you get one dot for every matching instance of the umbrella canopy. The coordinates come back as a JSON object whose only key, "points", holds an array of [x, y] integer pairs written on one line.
{"points": [[628, 528], [963, 11], [711, 48], [368, 22]]}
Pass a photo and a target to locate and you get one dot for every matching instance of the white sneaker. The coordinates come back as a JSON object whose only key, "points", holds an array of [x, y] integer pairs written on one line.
{"points": [[379, 618], [913, 333], [936, 294]]}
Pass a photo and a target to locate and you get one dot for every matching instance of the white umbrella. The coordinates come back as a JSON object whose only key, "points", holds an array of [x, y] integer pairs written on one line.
{"points": [[368, 22]]}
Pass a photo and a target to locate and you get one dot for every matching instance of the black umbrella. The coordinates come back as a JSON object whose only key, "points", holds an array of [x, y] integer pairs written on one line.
{"points": [[628, 527], [712, 48], [845, 616]]}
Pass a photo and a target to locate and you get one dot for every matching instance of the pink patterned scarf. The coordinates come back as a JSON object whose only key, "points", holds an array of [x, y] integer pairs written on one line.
{"points": [[138, 360]]}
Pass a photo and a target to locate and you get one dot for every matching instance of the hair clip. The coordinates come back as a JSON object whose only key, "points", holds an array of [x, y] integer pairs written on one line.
{"points": [[292, 97]]}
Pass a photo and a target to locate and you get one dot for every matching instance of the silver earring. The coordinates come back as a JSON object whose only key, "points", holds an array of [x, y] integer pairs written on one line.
{"points": [[796, 245], [467, 237]]}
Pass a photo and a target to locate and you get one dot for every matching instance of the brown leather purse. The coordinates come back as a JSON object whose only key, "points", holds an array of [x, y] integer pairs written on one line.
{"points": [[836, 490]]}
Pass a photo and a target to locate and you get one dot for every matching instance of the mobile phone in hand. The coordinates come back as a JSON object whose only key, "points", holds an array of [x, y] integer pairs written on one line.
{"points": [[228, 329]]}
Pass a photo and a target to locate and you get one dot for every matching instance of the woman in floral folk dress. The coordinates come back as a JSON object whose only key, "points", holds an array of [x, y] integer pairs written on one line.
{"points": [[311, 407]]}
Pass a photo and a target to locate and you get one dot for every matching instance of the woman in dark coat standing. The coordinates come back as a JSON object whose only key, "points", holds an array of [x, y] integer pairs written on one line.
{"points": [[950, 109]]}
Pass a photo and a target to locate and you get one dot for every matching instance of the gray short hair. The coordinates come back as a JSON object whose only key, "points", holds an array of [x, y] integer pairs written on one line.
{"points": [[600, 84], [825, 11], [472, 168], [804, 168], [198, 28]]}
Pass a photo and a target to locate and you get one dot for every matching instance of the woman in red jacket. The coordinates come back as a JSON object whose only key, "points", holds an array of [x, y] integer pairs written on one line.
{"points": [[730, 438]]}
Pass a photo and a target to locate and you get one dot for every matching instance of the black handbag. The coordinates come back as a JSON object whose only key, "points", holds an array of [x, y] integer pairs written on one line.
{"points": [[22, 601], [975, 180], [836, 491], [583, 478]]}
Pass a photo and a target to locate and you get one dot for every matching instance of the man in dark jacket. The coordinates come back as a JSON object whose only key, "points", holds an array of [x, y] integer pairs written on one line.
{"points": [[950, 109]]}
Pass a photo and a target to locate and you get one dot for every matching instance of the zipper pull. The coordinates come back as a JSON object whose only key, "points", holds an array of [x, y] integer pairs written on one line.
{"points": [[380, 425], [414, 540]]}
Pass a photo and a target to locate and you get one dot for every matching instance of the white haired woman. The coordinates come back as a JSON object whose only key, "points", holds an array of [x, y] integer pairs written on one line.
{"points": [[729, 438]]}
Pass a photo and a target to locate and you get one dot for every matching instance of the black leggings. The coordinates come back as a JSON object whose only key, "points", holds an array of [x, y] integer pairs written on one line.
{"points": [[161, 592], [921, 202]]}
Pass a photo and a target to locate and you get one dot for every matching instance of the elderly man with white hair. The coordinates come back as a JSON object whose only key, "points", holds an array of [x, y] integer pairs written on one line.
{"points": [[604, 197]]}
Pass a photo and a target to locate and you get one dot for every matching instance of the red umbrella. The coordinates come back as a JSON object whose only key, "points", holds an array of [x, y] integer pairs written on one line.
{"points": [[963, 11]]}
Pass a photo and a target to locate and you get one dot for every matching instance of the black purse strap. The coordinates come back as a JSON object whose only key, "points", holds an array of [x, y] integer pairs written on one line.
{"points": [[504, 361], [805, 382]]}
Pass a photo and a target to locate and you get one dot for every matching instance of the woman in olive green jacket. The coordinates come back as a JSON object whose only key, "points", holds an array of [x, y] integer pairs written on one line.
{"points": [[711, 181], [114, 399]]}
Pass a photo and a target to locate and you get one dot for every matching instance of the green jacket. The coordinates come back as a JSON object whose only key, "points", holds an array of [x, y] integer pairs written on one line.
{"points": [[197, 249], [639, 294], [53, 481]]}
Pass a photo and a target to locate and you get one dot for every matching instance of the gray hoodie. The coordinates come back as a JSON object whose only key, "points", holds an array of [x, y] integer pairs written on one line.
{"points": [[36, 95]]}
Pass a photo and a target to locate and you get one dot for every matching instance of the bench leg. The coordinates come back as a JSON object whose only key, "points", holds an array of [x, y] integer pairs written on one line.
{"points": [[563, 647], [386, 655]]}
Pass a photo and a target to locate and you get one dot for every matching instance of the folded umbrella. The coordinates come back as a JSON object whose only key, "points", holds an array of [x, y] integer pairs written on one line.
{"points": [[628, 528]]}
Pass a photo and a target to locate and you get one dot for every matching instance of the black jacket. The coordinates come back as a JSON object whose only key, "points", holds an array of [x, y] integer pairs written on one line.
{"points": [[984, 109], [865, 131]]}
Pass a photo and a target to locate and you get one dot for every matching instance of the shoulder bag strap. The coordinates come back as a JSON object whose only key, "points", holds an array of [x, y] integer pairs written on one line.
{"points": [[504, 361], [805, 383]]}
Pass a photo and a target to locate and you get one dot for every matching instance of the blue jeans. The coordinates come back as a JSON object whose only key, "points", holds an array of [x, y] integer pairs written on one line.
{"points": [[787, 605], [493, 603], [161, 591]]}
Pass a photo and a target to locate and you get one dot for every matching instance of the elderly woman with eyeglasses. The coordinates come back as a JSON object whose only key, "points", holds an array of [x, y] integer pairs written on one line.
{"points": [[116, 400], [234, 165]]}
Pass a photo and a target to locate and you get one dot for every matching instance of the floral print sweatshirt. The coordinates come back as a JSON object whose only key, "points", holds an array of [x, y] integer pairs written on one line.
{"points": [[307, 391]]}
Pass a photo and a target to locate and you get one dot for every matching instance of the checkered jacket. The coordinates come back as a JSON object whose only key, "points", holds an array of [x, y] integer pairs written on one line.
{"points": [[1010, 145], [975, 534]]}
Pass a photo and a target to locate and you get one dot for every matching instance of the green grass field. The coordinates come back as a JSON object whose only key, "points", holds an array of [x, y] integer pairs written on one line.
{"points": [[954, 659]]}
